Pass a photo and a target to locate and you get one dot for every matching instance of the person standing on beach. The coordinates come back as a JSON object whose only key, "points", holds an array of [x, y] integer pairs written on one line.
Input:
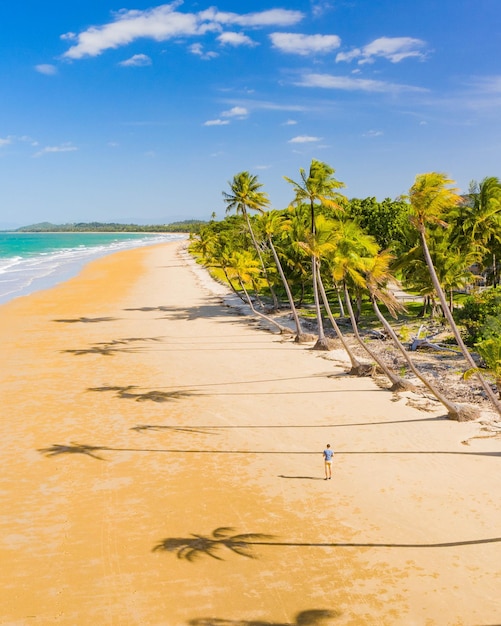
{"points": [[328, 454]]}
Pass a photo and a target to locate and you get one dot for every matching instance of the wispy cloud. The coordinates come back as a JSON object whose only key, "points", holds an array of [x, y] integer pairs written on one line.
{"points": [[394, 49], [5, 141], [347, 83], [295, 43], [373, 133], [236, 39], [164, 23], [304, 139], [137, 60], [47, 69], [239, 112], [217, 122], [65, 147], [198, 50]]}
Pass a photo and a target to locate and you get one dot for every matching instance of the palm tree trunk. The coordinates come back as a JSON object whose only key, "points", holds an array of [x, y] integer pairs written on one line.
{"points": [[357, 368], [455, 331], [455, 411], [397, 383], [258, 250], [282, 329], [321, 341], [299, 331]]}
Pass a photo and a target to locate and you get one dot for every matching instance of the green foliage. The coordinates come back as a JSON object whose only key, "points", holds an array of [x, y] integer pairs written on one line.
{"points": [[186, 226], [480, 315], [386, 221]]}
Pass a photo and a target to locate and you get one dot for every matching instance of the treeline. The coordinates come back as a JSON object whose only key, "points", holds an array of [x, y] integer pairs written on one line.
{"points": [[340, 256], [187, 226]]}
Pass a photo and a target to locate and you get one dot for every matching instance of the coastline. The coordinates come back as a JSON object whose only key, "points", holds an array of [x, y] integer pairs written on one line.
{"points": [[139, 412]]}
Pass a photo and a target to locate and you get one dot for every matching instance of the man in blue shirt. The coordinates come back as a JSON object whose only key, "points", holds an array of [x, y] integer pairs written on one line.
{"points": [[328, 454]]}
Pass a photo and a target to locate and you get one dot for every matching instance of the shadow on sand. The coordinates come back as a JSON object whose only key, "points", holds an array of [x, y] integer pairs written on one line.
{"points": [[192, 547], [312, 617]]}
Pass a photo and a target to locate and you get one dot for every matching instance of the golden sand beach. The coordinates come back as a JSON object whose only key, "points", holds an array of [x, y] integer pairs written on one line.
{"points": [[162, 465]]}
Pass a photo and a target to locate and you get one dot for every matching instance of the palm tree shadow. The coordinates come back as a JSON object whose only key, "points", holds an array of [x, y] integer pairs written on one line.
{"points": [[74, 448], [313, 617], [112, 347], [151, 396], [190, 548], [87, 320]]}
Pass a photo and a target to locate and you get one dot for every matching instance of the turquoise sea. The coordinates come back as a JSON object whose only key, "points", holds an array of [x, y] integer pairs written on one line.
{"points": [[33, 261]]}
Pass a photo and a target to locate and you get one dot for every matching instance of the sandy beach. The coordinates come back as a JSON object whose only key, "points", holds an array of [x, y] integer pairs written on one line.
{"points": [[162, 465]]}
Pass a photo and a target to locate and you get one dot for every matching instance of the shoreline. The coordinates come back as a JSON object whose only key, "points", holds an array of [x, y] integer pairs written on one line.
{"points": [[140, 413]]}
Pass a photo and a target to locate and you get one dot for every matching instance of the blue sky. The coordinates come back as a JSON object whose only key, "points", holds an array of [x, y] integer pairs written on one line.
{"points": [[138, 111]]}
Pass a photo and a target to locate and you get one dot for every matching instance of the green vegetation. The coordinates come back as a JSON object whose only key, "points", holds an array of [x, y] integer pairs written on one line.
{"points": [[343, 260], [187, 226]]}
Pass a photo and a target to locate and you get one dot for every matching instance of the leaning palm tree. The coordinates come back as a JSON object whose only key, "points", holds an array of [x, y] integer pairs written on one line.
{"points": [[245, 269], [317, 187], [271, 222], [377, 275], [347, 261], [431, 197], [245, 194]]}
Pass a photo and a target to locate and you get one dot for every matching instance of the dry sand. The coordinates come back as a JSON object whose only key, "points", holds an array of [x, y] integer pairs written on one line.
{"points": [[140, 415]]}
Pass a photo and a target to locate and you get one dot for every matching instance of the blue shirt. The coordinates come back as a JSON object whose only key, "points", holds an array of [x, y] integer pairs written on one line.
{"points": [[328, 454]]}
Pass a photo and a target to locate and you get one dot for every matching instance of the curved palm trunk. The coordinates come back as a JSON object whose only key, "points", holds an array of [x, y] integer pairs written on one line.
{"points": [[357, 368], [299, 331], [455, 411], [256, 246], [282, 329], [321, 341], [455, 331], [397, 383]]}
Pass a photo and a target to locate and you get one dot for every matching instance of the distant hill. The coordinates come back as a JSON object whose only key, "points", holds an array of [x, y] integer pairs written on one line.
{"points": [[186, 226]]}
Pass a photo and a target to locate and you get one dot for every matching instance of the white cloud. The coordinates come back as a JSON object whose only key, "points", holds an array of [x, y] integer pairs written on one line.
{"points": [[137, 60], [296, 43], [373, 133], [164, 22], [319, 8], [272, 17], [304, 139], [5, 141], [486, 84], [236, 112], [65, 147], [235, 39], [216, 122], [289, 123], [198, 50], [46, 68], [394, 49], [346, 83]]}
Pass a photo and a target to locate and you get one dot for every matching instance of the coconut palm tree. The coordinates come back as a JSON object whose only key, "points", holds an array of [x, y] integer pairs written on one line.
{"points": [[271, 222], [431, 198], [477, 222], [246, 195], [347, 262], [377, 275], [245, 269], [317, 187]]}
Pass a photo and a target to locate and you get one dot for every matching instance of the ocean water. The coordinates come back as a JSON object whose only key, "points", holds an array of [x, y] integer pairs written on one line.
{"points": [[33, 261]]}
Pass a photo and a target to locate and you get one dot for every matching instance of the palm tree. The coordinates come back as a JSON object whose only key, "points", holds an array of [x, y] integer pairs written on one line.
{"points": [[478, 221], [317, 187], [431, 198], [245, 269], [377, 276], [353, 249], [271, 222], [245, 194]]}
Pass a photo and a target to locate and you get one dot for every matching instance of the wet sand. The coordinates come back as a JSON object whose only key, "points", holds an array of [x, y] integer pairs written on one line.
{"points": [[162, 465]]}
